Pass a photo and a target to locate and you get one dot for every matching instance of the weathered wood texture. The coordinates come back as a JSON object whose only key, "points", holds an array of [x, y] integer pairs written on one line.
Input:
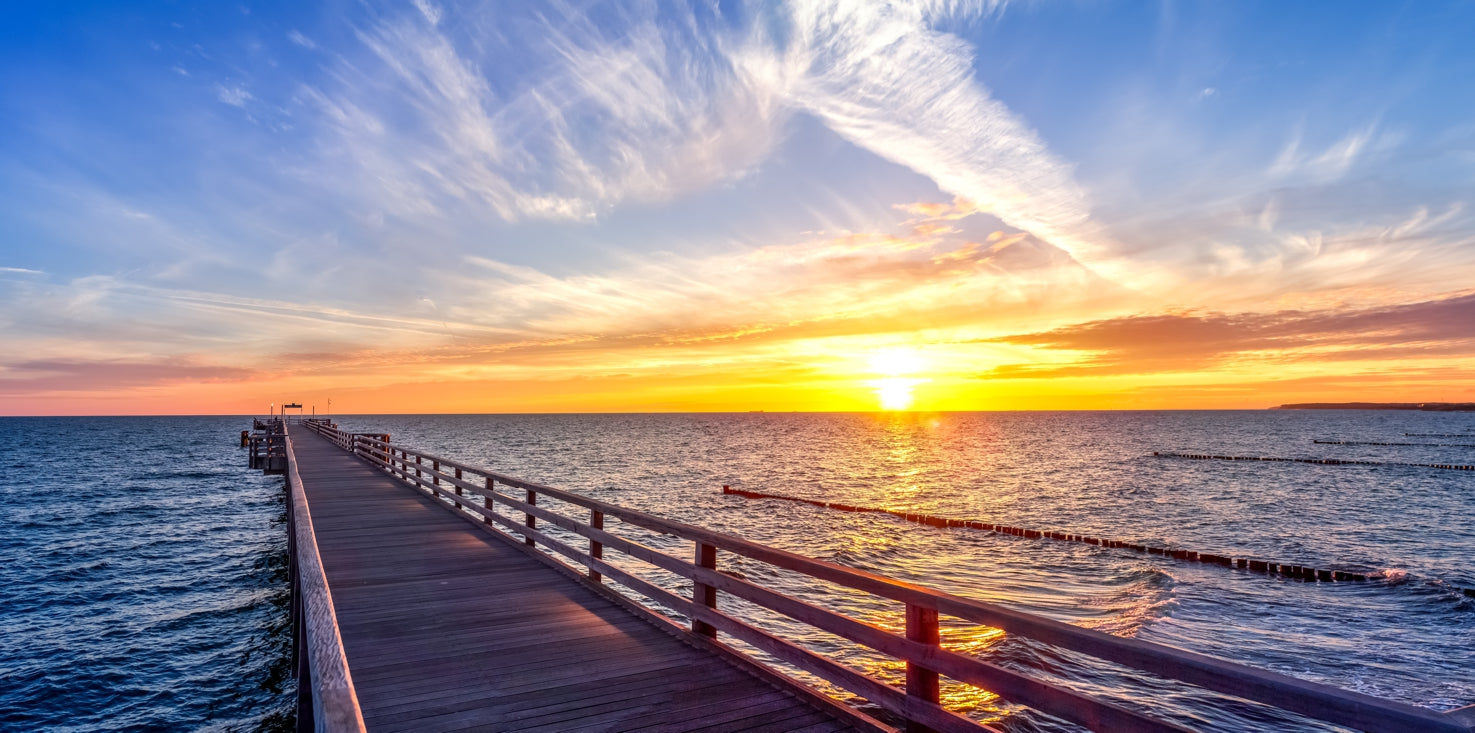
{"points": [[448, 628]]}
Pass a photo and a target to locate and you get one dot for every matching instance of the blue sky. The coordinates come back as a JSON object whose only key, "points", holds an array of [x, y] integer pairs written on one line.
{"points": [[540, 195]]}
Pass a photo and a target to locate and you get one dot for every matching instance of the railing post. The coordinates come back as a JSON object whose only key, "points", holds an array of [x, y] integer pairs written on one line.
{"points": [[596, 549], [458, 487], [703, 594], [921, 682], [491, 506], [435, 473], [418, 463], [530, 521]]}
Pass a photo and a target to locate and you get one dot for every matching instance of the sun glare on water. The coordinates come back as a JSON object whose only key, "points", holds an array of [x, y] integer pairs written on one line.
{"points": [[896, 368]]}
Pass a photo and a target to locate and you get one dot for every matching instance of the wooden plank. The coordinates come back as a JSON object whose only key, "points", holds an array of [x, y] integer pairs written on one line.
{"points": [[764, 718], [706, 713], [515, 681], [528, 700], [576, 709]]}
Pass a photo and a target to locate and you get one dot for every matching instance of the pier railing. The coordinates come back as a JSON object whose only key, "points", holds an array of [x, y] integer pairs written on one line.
{"points": [[267, 445], [472, 489], [326, 700]]}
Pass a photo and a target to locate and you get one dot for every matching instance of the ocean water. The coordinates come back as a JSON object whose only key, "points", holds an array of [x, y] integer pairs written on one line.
{"points": [[144, 585], [144, 582]]}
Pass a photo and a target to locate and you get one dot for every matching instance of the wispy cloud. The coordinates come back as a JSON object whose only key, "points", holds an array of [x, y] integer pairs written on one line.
{"points": [[71, 375], [298, 38], [880, 76], [1333, 162], [234, 96], [642, 115], [924, 278], [21, 271], [656, 108], [484, 311]]}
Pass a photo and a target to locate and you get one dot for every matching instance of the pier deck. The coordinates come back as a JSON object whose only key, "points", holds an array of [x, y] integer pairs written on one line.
{"points": [[445, 627]]}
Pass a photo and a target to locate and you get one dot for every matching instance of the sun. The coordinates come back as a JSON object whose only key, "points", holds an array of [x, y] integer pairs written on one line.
{"points": [[895, 393], [896, 367], [896, 361]]}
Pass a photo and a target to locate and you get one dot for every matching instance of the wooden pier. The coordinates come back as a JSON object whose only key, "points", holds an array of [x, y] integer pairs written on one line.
{"points": [[427, 595]]}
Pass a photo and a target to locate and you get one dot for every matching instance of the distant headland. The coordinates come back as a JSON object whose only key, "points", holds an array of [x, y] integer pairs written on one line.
{"points": [[1421, 406]]}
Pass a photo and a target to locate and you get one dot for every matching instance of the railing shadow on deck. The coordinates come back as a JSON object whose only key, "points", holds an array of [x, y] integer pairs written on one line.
{"points": [[473, 490]]}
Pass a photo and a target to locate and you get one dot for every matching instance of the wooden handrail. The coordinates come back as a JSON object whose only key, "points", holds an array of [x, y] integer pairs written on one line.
{"points": [[335, 705], [924, 657]]}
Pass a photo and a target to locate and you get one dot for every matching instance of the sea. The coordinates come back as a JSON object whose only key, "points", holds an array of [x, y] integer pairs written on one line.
{"points": [[144, 583]]}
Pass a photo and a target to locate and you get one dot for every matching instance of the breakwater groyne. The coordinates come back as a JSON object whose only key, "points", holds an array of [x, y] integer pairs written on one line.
{"points": [[1293, 571], [1401, 445], [1318, 461], [1289, 570]]}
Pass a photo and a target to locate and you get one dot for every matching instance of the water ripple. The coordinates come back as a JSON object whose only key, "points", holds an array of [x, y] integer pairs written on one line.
{"points": [[151, 595]]}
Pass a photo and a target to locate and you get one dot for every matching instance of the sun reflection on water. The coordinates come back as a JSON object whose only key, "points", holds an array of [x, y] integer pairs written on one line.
{"points": [[959, 697]]}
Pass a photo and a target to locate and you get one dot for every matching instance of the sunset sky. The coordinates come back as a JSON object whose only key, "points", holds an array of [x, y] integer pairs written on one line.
{"points": [[595, 207]]}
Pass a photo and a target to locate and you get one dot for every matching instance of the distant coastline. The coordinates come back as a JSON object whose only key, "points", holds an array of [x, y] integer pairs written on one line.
{"points": [[1420, 406]]}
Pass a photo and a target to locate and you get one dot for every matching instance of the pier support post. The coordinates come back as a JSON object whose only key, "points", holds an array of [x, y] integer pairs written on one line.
{"points": [[922, 683], [530, 521], [596, 549], [701, 593]]}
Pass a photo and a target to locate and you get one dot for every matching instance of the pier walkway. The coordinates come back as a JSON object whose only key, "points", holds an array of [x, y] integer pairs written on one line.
{"points": [[446, 627]]}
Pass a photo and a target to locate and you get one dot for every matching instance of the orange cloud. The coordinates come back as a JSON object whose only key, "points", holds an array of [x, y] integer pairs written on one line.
{"points": [[1189, 341], [960, 208]]}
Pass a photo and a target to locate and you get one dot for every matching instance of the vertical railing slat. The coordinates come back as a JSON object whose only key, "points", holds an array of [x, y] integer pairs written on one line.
{"points": [[596, 549], [922, 683], [701, 593], [491, 506], [530, 521]]}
